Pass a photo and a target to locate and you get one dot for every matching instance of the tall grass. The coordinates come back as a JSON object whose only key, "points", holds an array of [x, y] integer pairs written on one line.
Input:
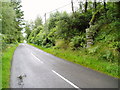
{"points": [[84, 59], [6, 65]]}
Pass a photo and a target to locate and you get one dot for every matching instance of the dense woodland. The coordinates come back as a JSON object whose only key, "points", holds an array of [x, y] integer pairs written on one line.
{"points": [[93, 30]]}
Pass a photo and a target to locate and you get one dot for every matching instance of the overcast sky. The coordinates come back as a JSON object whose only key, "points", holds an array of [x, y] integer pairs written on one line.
{"points": [[33, 8]]}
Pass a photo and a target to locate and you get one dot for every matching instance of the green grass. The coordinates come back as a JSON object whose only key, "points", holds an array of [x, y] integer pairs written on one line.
{"points": [[6, 65], [0, 70], [84, 59]]}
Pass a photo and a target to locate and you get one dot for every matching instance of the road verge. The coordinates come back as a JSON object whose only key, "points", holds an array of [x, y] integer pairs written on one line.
{"points": [[7, 55], [81, 58]]}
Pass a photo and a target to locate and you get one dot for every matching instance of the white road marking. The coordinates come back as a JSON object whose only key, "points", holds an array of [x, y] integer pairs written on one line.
{"points": [[65, 79], [37, 58]]}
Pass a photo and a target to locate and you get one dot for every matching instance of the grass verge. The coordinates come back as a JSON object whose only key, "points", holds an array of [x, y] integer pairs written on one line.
{"points": [[80, 57], [6, 65]]}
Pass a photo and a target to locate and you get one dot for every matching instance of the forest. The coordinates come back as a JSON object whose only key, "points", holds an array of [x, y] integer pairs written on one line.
{"points": [[89, 36]]}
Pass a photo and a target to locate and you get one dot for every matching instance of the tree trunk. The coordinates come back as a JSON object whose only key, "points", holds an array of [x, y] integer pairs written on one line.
{"points": [[105, 8], [86, 5], [95, 5], [105, 5], [72, 6], [80, 5]]}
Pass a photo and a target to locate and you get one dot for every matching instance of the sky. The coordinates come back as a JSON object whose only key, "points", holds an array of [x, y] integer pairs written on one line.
{"points": [[34, 8]]}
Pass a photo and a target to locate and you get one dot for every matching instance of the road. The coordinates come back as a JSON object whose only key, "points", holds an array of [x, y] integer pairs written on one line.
{"points": [[34, 68]]}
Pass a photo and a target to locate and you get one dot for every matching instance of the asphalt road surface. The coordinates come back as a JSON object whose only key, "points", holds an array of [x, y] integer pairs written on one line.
{"points": [[34, 68]]}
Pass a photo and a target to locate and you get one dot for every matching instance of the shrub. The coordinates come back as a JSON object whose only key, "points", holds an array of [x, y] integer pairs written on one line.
{"points": [[60, 43], [77, 41]]}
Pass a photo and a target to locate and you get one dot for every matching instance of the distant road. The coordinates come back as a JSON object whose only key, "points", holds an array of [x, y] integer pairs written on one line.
{"points": [[34, 68]]}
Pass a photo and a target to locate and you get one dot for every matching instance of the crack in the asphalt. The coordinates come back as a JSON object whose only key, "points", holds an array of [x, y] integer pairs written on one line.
{"points": [[20, 80]]}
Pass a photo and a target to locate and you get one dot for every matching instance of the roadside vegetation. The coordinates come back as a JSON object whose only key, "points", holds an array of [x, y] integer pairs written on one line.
{"points": [[6, 64], [11, 21], [89, 36], [84, 59]]}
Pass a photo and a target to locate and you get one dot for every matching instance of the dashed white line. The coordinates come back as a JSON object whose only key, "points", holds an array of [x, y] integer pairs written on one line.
{"points": [[36, 58], [65, 79]]}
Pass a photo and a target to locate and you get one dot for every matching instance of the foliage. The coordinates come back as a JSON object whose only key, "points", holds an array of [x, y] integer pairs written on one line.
{"points": [[11, 21], [60, 26], [63, 27], [69, 26], [63, 30], [77, 42], [106, 41], [69, 32], [38, 21], [61, 44], [80, 57], [51, 22], [27, 30], [12, 18]]}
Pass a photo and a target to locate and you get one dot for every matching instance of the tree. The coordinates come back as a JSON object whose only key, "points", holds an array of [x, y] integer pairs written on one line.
{"points": [[105, 5], [38, 21], [27, 30], [72, 6], [95, 4], [105, 8], [8, 23], [19, 18], [12, 22], [80, 6], [54, 17], [86, 5]]}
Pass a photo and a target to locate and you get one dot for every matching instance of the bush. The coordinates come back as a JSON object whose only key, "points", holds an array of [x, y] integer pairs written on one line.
{"points": [[77, 41], [61, 44], [93, 50], [108, 55]]}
